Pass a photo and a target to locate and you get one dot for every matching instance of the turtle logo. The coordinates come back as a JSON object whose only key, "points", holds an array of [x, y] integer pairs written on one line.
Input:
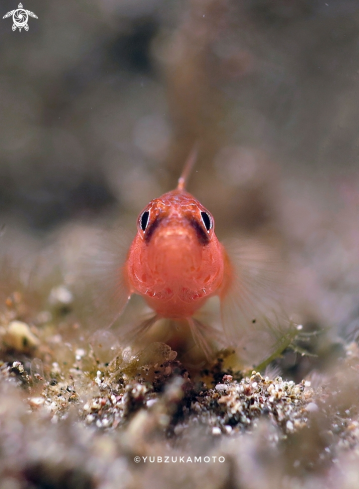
{"points": [[20, 16]]}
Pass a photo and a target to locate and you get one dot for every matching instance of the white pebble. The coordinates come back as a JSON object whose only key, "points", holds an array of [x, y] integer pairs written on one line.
{"points": [[90, 418], [60, 295], [290, 426], [36, 401], [20, 337], [312, 407], [151, 402]]}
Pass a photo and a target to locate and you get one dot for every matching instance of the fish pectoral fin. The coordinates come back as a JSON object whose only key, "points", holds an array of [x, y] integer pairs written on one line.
{"points": [[252, 298], [103, 274]]}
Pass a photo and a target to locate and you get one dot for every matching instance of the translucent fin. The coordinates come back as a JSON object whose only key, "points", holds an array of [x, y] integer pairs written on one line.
{"points": [[253, 298], [272, 372], [191, 160], [202, 336], [139, 330], [103, 275]]}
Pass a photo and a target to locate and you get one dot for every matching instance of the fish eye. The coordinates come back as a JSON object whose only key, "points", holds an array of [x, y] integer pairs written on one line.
{"points": [[144, 219], [207, 220]]}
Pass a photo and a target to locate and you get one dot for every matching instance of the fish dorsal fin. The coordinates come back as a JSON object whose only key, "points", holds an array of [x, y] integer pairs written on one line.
{"points": [[191, 160]]}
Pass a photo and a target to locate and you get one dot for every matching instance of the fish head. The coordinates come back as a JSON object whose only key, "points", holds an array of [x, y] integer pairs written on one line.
{"points": [[176, 245], [176, 223]]}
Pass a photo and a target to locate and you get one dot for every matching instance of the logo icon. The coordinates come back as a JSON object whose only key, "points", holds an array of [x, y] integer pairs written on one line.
{"points": [[20, 16]]}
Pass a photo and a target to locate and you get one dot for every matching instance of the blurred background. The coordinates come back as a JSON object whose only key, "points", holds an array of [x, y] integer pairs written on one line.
{"points": [[102, 101]]}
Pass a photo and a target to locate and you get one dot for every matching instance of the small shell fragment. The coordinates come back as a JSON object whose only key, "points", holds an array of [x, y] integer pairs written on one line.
{"points": [[19, 336], [60, 296], [216, 431], [36, 402], [312, 407]]}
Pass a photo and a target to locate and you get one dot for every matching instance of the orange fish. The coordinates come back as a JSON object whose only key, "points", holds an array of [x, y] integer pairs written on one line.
{"points": [[176, 263]]}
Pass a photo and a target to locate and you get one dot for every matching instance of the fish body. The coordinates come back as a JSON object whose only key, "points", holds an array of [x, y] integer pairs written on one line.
{"points": [[175, 261]]}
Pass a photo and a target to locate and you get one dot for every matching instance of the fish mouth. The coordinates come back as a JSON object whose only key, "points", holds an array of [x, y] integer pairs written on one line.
{"points": [[175, 251], [174, 233], [173, 244]]}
